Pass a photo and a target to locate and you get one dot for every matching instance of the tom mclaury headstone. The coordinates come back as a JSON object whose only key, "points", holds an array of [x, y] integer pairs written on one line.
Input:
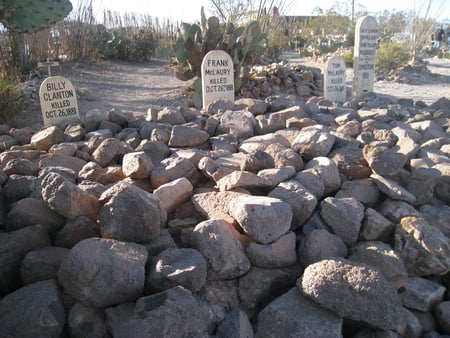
{"points": [[58, 100], [366, 37], [217, 77], [334, 80]]}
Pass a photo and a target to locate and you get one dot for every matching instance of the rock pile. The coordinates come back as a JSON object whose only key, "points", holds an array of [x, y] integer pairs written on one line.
{"points": [[274, 218], [282, 78]]}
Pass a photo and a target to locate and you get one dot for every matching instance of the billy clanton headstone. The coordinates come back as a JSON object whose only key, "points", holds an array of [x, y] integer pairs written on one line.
{"points": [[217, 77], [334, 80], [58, 100], [366, 37]]}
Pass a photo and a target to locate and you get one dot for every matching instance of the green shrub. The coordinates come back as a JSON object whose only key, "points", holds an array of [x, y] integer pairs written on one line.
{"points": [[11, 101], [392, 55], [143, 45], [348, 59]]}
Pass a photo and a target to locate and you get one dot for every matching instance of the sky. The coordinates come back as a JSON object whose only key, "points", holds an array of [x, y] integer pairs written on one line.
{"points": [[189, 10]]}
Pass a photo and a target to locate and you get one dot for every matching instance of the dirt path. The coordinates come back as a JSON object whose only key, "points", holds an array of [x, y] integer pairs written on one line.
{"points": [[105, 85]]}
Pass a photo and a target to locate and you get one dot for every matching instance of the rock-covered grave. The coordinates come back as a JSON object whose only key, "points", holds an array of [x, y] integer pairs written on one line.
{"points": [[270, 218]]}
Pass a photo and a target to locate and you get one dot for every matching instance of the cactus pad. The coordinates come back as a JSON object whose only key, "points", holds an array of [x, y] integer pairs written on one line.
{"points": [[32, 15]]}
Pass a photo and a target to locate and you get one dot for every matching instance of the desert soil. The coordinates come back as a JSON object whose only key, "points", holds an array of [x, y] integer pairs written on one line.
{"points": [[133, 88]]}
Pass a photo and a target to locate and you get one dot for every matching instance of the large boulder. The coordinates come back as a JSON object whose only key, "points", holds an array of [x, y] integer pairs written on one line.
{"points": [[36, 310], [219, 243], [103, 272], [354, 291], [264, 219]]}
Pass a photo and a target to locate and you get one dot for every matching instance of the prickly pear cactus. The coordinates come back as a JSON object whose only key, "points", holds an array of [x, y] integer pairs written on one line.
{"points": [[32, 15]]}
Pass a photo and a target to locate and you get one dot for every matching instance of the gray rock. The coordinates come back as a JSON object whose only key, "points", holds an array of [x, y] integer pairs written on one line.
{"points": [[142, 225], [320, 244], [275, 255], [172, 194], [328, 172], [108, 152], [36, 310], [383, 160], [392, 189], [60, 160], [31, 211], [20, 166], [263, 142], [312, 181], [241, 179], [19, 187], [276, 176], [425, 250], [170, 115], [264, 219], [13, 248], [254, 106], [137, 165], [437, 216], [421, 183], [86, 322], [47, 137], [354, 291], [183, 136], [376, 227], [284, 156], [312, 142], [172, 313], [186, 267], [294, 315], [302, 202], [235, 325], [41, 264], [237, 123], [442, 188], [76, 230], [172, 168], [422, 294], [344, 216], [67, 199], [256, 161], [443, 316], [381, 256], [223, 293], [156, 150], [350, 162], [364, 190], [396, 210], [214, 205], [103, 272], [260, 286], [225, 255]]}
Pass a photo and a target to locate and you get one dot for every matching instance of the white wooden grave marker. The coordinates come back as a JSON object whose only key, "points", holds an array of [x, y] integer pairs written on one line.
{"points": [[366, 37], [58, 100], [334, 80], [49, 64], [217, 77]]}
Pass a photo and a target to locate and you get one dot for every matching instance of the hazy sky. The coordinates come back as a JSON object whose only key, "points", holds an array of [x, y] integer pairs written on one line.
{"points": [[189, 10]]}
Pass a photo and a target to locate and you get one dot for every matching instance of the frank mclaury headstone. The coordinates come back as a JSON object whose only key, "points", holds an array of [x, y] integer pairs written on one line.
{"points": [[58, 100], [334, 80], [217, 77], [366, 37]]}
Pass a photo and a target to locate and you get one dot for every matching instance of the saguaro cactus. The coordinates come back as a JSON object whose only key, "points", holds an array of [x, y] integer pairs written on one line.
{"points": [[25, 16]]}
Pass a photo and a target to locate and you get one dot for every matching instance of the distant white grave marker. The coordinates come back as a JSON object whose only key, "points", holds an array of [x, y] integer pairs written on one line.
{"points": [[334, 80], [58, 100], [49, 64], [217, 77], [366, 37]]}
